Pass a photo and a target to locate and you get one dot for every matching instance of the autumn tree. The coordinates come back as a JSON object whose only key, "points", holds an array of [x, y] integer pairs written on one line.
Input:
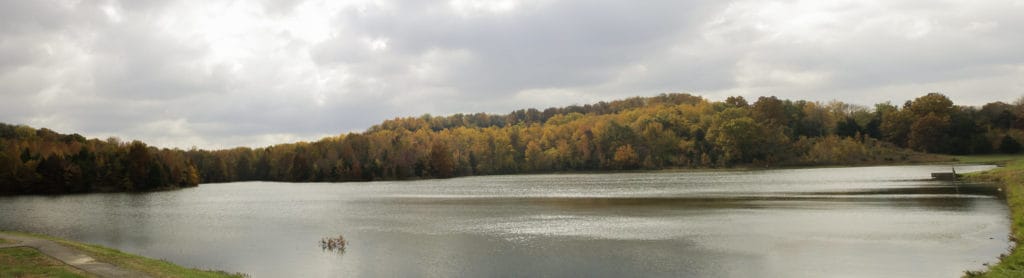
{"points": [[770, 110], [138, 161], [929, 133], [997, 115], [932, 103], [300, 170], [441, 162], [896, 124], [736, 101], [626, 157], [243, 166], [1009, 145], [737, 138], [534, 156]]}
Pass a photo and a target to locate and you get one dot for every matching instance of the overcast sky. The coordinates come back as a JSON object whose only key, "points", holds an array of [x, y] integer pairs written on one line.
{"points": [[217, 74]]}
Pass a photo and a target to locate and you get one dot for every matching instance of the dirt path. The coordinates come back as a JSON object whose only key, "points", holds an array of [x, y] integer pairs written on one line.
{"points": [[70, 256]]}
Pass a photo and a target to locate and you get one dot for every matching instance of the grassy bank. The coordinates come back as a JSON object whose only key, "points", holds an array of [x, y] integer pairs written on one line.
{"points": [[997, 159], [154, 267], [28, 262], [1011, 178]]}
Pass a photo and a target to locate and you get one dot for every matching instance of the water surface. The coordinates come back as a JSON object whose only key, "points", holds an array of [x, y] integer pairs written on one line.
{"points": [[827, 222]]}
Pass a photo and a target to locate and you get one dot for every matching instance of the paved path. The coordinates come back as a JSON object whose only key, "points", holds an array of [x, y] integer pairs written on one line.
{"points": [[70, 256]]}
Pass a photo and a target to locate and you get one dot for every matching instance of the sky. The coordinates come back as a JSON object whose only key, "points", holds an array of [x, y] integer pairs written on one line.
{"points": [[219, 74]]}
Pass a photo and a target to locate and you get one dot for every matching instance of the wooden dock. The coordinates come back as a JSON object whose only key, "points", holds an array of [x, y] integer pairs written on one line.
{"points": [[946, 176]]}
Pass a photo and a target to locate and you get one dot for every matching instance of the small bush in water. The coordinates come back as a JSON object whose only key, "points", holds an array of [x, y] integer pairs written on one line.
{"points": [[337, 244]]}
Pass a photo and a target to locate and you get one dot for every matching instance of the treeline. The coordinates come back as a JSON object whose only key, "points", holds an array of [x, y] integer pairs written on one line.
{"points": [[669, 130], [41, 161]]}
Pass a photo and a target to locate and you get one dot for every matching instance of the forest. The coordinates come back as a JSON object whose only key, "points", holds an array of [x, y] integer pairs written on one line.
{"points": [[665, 131]]}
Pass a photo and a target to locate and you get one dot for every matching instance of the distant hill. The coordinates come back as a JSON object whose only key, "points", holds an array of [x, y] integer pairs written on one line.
{"points": [[664, 131]]}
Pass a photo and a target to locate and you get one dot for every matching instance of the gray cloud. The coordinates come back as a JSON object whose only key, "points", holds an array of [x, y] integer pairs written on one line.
{"points": [[139, 63], [548, 45], [224, 73]]}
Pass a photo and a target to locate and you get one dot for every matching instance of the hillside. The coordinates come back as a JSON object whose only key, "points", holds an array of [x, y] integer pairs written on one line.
{"points": [[665, 131]]}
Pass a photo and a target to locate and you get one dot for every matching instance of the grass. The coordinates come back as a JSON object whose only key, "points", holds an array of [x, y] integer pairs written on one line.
{"points": [[1011, 179], [154, 267], [4, 241], [998, 159], [28, 262]]}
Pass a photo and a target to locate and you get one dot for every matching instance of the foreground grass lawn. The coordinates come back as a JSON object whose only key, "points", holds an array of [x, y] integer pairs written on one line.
{"points": [[28, 262], [154, 267], [1011, 179]]}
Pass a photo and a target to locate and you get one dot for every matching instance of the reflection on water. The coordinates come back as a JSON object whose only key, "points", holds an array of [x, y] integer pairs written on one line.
{"points": [[866, 221]]}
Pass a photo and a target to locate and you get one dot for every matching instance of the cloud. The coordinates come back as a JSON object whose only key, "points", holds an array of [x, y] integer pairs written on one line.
{"points": [[548, 44], [862, 46], [216, 74], [133, 61]]}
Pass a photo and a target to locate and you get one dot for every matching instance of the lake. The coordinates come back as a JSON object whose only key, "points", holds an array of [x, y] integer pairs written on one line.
{"points": [[885, 221]]}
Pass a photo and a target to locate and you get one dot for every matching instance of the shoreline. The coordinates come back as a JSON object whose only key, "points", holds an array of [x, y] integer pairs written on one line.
{"points": [[1009, 177], [99, 260], [737, 168]]}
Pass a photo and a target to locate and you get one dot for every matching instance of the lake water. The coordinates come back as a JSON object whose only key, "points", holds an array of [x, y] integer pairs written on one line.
{"points": [[825, 222]]}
